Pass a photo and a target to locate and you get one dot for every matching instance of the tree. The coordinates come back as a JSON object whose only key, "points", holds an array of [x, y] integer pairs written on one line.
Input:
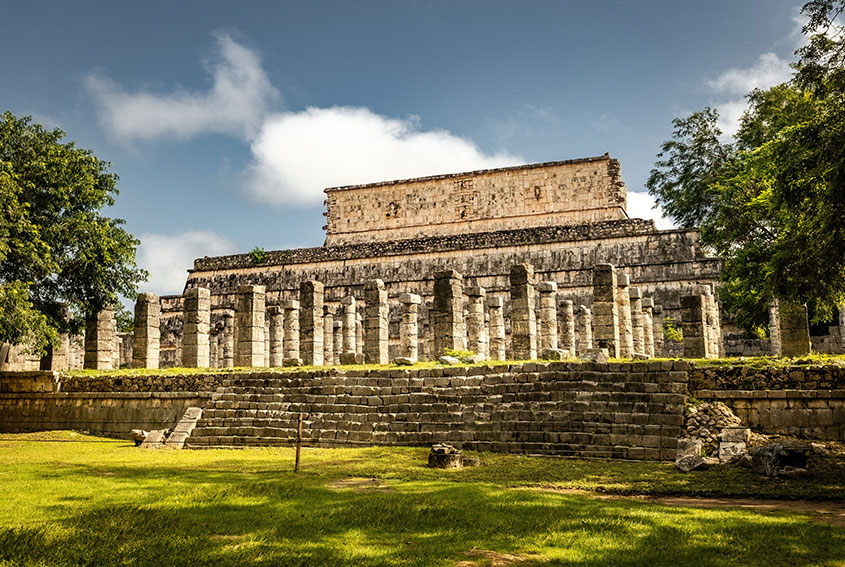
{"points": [[771, 202], [58, 254]]}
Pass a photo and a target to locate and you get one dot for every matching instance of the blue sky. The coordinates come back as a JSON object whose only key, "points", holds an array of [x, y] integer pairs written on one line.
{"points": [[225, 120]]}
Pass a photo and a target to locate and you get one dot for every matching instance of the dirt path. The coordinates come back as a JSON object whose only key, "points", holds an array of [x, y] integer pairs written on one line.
{"points": [[830, 512]]}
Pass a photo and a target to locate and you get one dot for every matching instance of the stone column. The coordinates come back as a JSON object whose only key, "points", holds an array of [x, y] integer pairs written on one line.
{"points": [[523, 319], [774, 328], [349, 319], [227, 354], [266, 340], [605, 312], [338, 337], [213, 348], [197, 313], [567, 326], [714, 320], [375, 325], [476, 329], [290, 344], [99, 341], [328, 336], [447, 312], [408, 326], [249, 326], [584, 324], [794, 329], [623, 306], [657, 335], [311, 323], [359, 334], [637, 319], [694, 312], [648, 326], [842, 326], [277, 330], [147, 340], [497, 328], [548, 316]]}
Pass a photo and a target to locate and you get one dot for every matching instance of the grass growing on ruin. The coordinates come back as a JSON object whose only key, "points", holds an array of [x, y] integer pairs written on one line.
{"points": [[70, 499]]}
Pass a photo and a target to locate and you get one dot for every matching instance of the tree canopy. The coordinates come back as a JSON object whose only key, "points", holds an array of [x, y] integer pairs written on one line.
{"points": [[59, 254], [771, 201]]}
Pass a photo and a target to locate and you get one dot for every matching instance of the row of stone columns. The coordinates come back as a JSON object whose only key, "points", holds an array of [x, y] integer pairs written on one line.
{"points": [[623, 320]]}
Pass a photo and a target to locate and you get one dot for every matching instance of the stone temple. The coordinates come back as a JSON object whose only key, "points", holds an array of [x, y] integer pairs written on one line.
{"points": [[562, 217]]}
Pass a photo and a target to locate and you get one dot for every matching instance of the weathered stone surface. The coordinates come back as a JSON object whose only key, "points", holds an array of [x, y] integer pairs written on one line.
{"points": [[447, 312], [697, 342], [328, 336], [689, 448], [605, 311], [375, 323], [554, 354], [793, 329], [567, 325], [523, 319], [445, 457], [548, 316], [735, 435], [290, 343], [311, 322], [409, 327], [585, 331], [145, 350], [350, 318], [249, 326], [648, 326], [100, 341], [477, 340], [138, 436], [637, 330], [197, 321], [449, 360], [403, 361], [596, 355], [730, 452], [773, 459], [623, 306], [276, 316], [496, 328], [692, 463]]}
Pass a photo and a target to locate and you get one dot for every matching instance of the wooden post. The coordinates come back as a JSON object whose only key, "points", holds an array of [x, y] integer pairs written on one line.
{"points": [[298, 443]]}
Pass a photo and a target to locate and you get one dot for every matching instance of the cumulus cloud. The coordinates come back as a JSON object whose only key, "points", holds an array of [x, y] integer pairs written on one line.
{"points": [[168, 257], [235, 104], [769, 70], [643, 206], [298, 154]]}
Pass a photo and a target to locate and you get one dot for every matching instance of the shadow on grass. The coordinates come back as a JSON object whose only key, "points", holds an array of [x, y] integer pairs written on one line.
{"points": [[282, 519]]}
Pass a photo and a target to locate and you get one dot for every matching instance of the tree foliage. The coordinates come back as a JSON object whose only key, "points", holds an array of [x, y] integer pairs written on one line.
{"points": [[59, 254], [772, 201]]}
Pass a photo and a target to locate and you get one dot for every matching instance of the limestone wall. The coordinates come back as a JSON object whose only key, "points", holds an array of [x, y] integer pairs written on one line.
{"points": [[112, 414], [554, 193]]}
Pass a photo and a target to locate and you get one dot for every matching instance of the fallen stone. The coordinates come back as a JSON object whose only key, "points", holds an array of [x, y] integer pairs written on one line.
{"points": [[444, 456], [735, 435], [688, 448], [348, 358], [403, 361], [155, 439], [292, 362], [138, 436], [475, 358], [554, 354], [730, 452], [772, 459], [448, 360], [692, 463], [596, 355], [639, 356], [471, 461]]}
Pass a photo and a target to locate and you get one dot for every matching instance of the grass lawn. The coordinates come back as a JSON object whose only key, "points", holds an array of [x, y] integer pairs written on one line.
{"points": [[69, 499]]}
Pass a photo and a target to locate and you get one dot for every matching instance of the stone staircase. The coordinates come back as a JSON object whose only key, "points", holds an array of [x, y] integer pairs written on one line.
{"points": [[249, 412]]}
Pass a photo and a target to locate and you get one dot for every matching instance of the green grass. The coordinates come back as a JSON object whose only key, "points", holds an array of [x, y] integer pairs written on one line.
{"points": [[69, 499]]}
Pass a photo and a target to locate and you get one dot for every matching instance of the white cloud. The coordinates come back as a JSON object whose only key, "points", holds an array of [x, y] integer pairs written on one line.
{"points": [[643, 206], [769, 70], [235, 104], [168, 257], [298, 154]]}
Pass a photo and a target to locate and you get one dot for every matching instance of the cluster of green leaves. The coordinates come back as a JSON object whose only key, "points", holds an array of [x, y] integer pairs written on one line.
{"points": [[772, 201], [671, 331], [60, 258], [257, 255]]}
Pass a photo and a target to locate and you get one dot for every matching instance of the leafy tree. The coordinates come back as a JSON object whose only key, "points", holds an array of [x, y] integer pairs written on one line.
{"points": [[58, 254], [771, 202]]}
